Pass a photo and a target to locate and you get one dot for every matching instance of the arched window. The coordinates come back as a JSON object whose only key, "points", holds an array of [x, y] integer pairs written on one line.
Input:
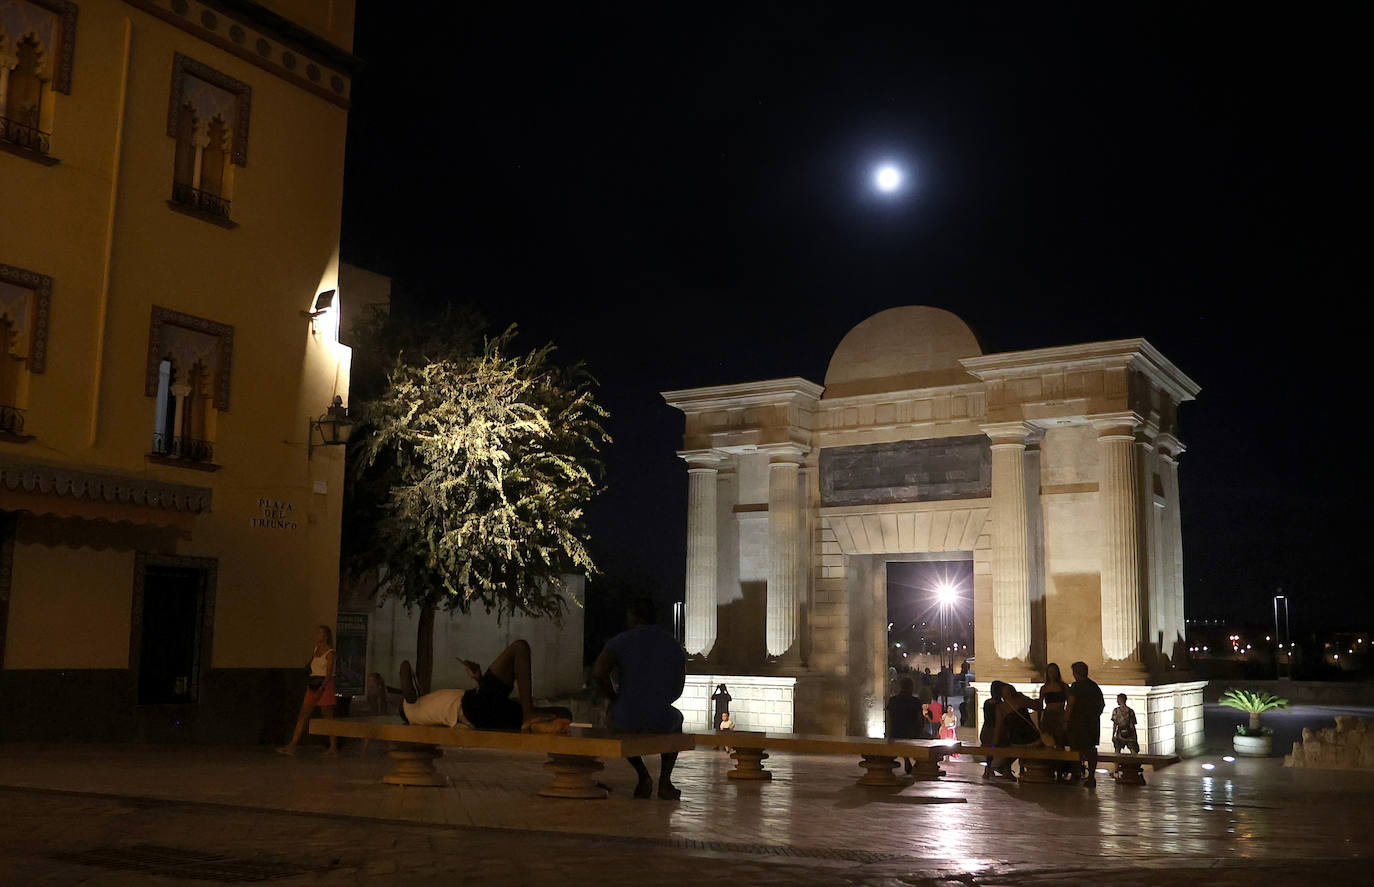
{"points": [[214, 159], [208, 118], [189, 385], [184, 168], [25, 300], [37, 44]]}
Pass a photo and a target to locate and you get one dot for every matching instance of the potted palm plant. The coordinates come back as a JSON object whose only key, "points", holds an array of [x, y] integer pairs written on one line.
{"points": [[1251, 739]]}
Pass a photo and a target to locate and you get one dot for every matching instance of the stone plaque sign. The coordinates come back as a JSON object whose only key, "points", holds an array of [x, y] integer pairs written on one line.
{"points": [[907, 471], [275, 514]]}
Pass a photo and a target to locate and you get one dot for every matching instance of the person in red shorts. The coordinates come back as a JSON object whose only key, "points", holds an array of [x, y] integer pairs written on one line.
{"points": [[319, 690]]}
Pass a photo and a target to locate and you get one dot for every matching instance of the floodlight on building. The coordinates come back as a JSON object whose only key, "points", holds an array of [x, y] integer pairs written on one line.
{"points": [[333, 428]]}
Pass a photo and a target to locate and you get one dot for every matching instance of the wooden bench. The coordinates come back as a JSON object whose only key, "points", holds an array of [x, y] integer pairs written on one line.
{"points": [[1037, 761], [573, 756], [878, 757]]}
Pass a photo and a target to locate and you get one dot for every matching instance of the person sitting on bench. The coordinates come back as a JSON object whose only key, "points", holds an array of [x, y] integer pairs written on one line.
{"points": [[489, 706], [1013, 727], [652, 671]]}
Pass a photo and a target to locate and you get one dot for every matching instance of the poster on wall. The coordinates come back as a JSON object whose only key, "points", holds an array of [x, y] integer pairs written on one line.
{"points": [[350, 654]]}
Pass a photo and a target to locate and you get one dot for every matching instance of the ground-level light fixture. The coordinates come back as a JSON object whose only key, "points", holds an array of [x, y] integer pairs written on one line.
{"points": [[332, 429]]}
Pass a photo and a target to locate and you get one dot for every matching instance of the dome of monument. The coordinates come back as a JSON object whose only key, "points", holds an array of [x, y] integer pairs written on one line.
{"points": [[914, 346]]}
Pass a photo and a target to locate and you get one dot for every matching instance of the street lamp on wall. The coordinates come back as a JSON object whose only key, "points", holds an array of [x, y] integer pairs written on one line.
{"points": [[332, 429]]}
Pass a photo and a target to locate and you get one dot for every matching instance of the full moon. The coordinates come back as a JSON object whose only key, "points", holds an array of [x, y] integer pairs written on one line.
{"points": [[887, 178]]}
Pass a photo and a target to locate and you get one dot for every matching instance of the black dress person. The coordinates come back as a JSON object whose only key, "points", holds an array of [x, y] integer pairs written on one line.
{"points": [[721, 698]]}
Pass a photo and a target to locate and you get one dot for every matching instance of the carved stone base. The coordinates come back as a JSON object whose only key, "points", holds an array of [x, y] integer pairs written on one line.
{"points": [[413, 764], [926, 770], [1129, 774], [572, 777], [879, 769], [749, 764]]}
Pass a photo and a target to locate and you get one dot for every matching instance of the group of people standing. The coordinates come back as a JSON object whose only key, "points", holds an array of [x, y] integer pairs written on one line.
{"points": [[1062, 716]]}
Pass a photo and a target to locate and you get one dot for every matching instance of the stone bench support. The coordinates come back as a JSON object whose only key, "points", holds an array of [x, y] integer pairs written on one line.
{"points": [[574, 757], [878, 757]]}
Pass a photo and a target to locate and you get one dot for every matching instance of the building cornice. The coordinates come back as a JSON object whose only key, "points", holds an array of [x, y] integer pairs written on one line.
{"points": [[882, 397], [766, 392], [1136, 353], [113, 489], [263, 39]]}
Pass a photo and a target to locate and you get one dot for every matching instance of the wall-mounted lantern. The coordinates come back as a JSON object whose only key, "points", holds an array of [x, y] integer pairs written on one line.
{"points": [[332, 429]]}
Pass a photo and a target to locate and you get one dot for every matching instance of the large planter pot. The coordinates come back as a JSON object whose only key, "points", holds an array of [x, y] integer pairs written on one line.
{"points": [[1253, 746]]}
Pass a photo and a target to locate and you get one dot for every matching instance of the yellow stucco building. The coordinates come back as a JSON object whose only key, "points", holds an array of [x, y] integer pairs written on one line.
{"points": [[172, 175]]}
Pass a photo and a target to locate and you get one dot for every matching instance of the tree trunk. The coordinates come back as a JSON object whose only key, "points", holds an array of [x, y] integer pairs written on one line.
{"points": [[1254, 722], [424, 646]]}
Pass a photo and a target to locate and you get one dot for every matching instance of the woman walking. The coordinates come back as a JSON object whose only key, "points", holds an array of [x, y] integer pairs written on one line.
{"points": [[319, 689]]}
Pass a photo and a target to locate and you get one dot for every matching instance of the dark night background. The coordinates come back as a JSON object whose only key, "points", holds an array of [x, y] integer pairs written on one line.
{"points": [[678, 195]]}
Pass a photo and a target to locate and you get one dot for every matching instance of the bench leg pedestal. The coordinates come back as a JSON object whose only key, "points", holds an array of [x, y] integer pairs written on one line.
{"points": [[1035, 770], [925, 770], [572, 777], [749, 764], [413, 764], [1129, 774], [879, 769]]}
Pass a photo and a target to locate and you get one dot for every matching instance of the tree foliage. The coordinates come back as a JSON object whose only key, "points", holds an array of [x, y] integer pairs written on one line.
{"points": [[473, 472]]}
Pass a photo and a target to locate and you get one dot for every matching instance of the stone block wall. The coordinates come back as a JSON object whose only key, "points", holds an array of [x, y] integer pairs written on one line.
{"points": [[1168, 716], [763, 704], [1347, 746]]}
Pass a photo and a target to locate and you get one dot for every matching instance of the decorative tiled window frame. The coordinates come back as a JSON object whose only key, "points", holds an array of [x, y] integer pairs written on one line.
{"points": [[41, 284], [163, 317], [66, 53], [210, 567], [183, 65]]}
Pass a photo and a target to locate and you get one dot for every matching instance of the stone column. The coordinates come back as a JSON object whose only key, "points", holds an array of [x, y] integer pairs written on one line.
{"points": [[784, 552], [1011, 560], [179, 395], [1172, 544], [1118, 494], [700, 605]]}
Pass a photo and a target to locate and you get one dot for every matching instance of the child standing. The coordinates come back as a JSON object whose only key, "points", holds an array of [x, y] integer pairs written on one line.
{"points": [[1123, 726], [948, 721]]}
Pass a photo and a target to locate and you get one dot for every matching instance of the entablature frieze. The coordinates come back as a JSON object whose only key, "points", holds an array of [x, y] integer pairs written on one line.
{"points": [[910, 527]]}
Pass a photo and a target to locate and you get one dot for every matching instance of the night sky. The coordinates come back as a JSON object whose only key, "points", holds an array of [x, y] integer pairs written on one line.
{"points": [[679, 196]]}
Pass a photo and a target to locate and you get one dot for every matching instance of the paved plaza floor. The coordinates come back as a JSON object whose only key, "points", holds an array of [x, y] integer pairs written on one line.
{"points": [[135, 814]]}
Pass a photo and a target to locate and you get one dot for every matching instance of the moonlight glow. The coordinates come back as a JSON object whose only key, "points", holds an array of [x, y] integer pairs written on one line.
{"points": [[887, 178]]}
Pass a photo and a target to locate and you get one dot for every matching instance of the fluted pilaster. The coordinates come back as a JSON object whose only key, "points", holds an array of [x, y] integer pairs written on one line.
{"points": [[784, 554], [1172, 544], [700, 607], [1011, 561], [1122, 571]]}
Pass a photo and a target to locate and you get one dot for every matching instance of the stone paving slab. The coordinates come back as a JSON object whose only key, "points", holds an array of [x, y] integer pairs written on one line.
{"points": [[1242, 822]]}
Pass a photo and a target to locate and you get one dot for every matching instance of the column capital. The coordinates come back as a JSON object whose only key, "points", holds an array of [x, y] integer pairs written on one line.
{"points": [[1169, 447], [1009, 434], [1117, 426], [701, 460], [784, 454]]}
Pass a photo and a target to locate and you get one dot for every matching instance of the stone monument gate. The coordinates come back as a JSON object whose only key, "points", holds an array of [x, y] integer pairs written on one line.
{"points": [[1055, 471]]}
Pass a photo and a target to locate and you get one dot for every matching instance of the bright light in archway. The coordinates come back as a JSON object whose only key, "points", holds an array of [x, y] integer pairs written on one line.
{"points": [[946, 593], [888, 178]]}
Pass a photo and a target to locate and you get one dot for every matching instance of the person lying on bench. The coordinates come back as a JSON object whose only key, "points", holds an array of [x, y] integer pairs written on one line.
{"points": [[489, 707]]}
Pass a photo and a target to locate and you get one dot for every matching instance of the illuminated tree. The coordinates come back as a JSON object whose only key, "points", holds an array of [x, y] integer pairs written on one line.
{"points": [[474, 471]]}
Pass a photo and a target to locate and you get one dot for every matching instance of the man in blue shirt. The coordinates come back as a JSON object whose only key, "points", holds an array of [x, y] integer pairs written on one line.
{"points": [[651, 671]]}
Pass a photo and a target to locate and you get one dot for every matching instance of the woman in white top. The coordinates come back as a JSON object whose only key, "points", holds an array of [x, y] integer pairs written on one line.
{"points": [[319, 690]]}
